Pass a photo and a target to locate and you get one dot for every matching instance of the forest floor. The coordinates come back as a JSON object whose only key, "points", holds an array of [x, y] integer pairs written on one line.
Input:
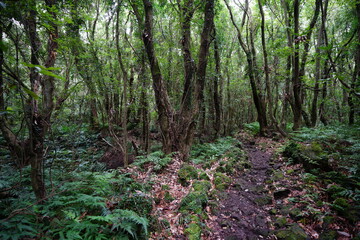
{"points": [[243, 213], [242, 187]]}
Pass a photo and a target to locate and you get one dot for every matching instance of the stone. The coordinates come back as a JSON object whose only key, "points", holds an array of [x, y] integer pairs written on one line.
{"points": [[262, 201], [281, 222], [293, 232]]}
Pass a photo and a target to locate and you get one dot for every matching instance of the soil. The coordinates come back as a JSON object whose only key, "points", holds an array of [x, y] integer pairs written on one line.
{"points": [[242, 214]]}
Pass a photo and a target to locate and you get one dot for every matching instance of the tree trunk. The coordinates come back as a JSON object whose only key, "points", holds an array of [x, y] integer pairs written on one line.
{"points": [[355, 83], [217, 93], [125, 82], [252, 73], [297, 109], [177, 129]]}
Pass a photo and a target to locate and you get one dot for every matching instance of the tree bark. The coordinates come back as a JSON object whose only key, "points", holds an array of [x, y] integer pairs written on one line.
{"points": [[297, 109], [355, 83], [177, 129], [125, 83], [217, 92]]}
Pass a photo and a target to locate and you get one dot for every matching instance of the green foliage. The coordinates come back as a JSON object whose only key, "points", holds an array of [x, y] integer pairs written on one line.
{"points": [[82, 208], [253, 127], [202, 186], [193, 231], [194, 202], [158, 159], [203, 153], [221, 181], [186, 173]]}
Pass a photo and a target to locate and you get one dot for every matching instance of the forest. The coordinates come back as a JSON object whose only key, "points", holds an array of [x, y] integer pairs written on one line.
{"points": [[180, 119]]}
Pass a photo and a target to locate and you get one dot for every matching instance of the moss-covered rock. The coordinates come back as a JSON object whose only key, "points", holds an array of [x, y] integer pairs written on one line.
{"points": [[262, 201], [280, 222], [204, 176], [273, 211], [194, 202], [295, 213], [293, 232], [186, 173], [221, 181], [193, 231], [277, 175], [202, 186]]}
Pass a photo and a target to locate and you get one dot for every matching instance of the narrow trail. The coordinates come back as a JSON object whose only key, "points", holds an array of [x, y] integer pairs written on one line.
{"points": [[242, 213]]}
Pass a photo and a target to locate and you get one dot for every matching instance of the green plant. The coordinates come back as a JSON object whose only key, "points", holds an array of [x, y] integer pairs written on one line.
{"points": [[158, 159]]}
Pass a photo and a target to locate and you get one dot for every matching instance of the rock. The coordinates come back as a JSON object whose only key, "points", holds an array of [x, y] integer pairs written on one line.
{"points": [[293, 232], [221, 181], [281, 222], [285, 210], [283, 193], [344, 234], [272, 211], [202, 186], [295, 213], [232, 237], [204, 176], [262, 201], [187, 173], [193, 231]]}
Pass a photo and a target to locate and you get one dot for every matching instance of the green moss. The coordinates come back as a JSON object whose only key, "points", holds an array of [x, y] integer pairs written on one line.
{"points": [[165, 187], [204, 176], [277, 175], [280, 222], [187, 173], [168, 197], [295, 213], [202, 186], [261, 201], [294, 232], [273, 211], [193, 231], [221, 181]]}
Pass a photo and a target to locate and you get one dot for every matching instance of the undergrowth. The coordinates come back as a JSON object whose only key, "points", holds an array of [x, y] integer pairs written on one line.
{"points": [[330, 157], [84, 201]]}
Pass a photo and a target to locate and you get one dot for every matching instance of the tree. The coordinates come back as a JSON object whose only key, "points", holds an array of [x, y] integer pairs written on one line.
{"points": [[37, 111], [177, 128]]}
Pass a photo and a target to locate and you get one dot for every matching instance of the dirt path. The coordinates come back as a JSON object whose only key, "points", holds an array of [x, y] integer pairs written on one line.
{"points": [[242, 214]]}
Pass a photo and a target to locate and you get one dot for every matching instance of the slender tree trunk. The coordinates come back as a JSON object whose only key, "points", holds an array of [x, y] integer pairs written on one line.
{"points": [[355, 83], [217, 93], [304, 58], [297, 109], [144, 105], [252, 73], [125, 83]]}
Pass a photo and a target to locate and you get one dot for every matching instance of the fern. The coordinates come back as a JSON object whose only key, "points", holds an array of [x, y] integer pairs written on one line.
{"points": [[130, 222]]}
